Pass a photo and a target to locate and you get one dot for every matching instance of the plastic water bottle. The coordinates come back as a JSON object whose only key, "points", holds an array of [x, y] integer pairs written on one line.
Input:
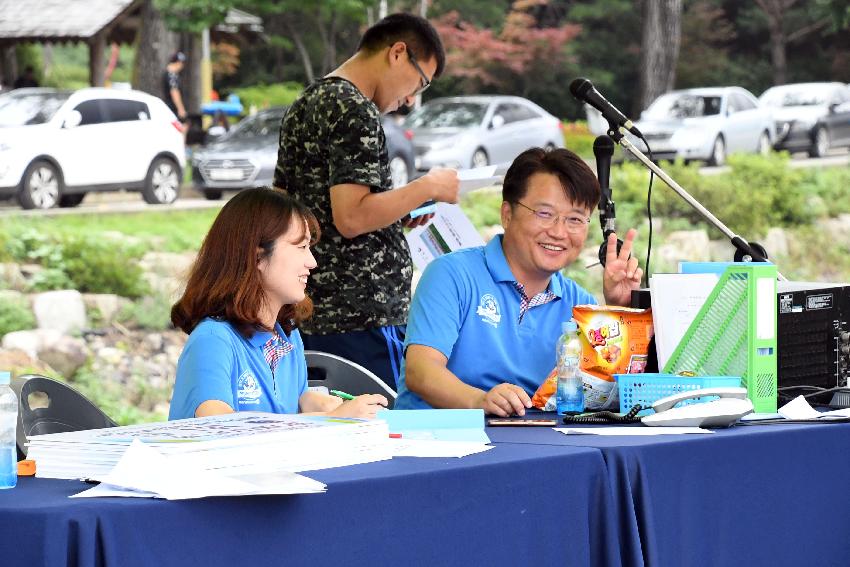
{"points": [[8, 423], [570, 393]]}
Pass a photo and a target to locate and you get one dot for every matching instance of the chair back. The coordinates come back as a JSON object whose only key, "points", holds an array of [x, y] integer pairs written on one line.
{"points": [[49, 406], [338, 373]]}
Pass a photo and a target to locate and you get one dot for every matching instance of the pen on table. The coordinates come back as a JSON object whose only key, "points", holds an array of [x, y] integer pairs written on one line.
{"points": [[342, 395]]}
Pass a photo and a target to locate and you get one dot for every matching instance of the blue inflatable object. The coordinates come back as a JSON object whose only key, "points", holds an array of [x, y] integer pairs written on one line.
{"points": [[230, 107]]}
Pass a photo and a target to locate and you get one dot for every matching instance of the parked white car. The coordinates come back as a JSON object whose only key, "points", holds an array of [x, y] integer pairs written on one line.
{"points": [[706, 124], [474, 131], [56, 146]]}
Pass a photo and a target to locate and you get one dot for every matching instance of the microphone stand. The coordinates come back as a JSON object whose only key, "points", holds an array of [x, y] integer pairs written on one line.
{"points": [[744, 251]]}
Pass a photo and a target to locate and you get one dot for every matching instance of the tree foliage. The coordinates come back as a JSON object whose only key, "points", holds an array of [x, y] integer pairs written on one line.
{"points": [[517, 59]]}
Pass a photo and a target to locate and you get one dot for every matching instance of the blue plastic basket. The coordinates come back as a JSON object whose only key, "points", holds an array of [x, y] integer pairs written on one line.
{"points": [[645, 389]]}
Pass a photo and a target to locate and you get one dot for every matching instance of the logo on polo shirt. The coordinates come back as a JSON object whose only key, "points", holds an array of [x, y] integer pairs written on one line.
{"points": [[248, 389], [488, 310]]}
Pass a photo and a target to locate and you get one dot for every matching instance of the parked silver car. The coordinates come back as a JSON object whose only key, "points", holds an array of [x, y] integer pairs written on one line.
{"points": [[811, 117], [706, 124], [474, 131]]}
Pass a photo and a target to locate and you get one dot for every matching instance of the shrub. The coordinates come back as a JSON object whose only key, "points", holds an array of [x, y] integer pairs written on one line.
{"points": [[15, 315], [98, 266], [152, 313], [88, 264], [577, 138], [758, 193], [483, 208], [264, 96]]}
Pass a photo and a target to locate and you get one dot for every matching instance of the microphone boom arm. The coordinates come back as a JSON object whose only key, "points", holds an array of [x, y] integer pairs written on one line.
{"points": [[748, 251]]}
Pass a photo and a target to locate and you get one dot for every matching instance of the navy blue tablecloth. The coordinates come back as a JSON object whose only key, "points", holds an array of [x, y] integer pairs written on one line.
{"points": [[767, 495], [515, 504]]}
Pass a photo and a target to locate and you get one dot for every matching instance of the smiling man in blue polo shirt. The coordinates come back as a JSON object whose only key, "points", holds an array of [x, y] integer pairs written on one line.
{"points": [[484, 321]]}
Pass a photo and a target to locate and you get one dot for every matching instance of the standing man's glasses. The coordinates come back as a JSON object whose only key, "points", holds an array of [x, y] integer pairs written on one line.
{"points": [[425, 82]]}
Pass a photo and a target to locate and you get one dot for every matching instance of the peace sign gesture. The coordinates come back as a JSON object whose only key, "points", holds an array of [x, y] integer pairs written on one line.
{"points": [[622, 273]]}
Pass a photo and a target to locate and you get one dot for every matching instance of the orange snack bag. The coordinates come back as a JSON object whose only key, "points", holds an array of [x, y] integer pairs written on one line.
{"points": [[614, 340]]}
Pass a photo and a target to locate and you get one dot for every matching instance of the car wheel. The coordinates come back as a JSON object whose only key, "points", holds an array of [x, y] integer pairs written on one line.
{"points": [[398, 172], [73, 200], [212, 194], [821, 143], [764, 144], [480, 158], [162, 183], [41, 187], [718, 152]]}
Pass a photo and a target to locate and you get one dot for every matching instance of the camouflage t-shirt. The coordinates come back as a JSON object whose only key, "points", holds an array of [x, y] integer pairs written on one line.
{"points": [[332, 135]]}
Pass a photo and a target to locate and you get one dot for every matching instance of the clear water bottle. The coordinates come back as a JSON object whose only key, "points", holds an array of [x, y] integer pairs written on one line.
{"points": [[8, 423], [570, 393]]}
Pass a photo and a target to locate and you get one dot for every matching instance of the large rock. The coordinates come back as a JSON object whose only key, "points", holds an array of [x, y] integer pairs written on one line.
{"points": [[107, 305], [776, 243], [61, 310], [168, 264], [12, 277], [13, 296], [31, 342], [19, 362], [66, 355], [682, 245]]}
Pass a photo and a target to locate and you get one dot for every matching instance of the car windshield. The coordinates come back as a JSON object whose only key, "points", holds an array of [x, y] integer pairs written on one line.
{"points": [[447, 115], [682, 105], [29, 108], [795, 96], [261, 124]]}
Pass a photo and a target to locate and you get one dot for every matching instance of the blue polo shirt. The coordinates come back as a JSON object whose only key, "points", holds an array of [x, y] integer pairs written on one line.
{"points": [[467, 307], [218, 363]]}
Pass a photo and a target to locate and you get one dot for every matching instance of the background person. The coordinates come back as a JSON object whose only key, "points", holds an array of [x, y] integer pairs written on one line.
{"points": [[171, 90], [27, 80], [484, 321], [243, 301], [333, 157]]}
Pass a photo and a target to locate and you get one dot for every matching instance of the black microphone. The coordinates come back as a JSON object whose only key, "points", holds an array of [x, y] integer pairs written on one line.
{"points": [[603, 150], [583, 90]]}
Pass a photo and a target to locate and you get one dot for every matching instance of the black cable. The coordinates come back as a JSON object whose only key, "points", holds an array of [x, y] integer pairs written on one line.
{"points": [[606, 417], [648, 214], [817, 390]]}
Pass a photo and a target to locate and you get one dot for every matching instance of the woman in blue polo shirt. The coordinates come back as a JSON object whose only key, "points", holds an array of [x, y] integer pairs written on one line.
{"points": [[244, 298]]}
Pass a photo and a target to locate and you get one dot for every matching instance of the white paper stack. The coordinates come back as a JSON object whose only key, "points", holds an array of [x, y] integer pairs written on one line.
{"points": [[233, 444], [676, 301]]}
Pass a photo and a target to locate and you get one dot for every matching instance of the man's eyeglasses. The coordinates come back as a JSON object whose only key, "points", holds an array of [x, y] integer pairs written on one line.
{"points": [[425, 81], [547, 218]]}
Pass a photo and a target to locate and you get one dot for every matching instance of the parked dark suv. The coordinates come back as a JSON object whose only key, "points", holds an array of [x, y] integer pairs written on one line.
{"points": [[811, 117]]}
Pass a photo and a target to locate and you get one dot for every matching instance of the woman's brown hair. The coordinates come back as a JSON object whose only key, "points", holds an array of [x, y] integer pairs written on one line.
{"points": [[224, 282]]}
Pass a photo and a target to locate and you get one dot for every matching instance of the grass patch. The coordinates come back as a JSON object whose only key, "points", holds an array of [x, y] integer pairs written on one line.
{"points": [[167, 231]]}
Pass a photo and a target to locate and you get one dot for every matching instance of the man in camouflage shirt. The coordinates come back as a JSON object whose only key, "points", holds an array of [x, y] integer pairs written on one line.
{"points": [[333, 157]]}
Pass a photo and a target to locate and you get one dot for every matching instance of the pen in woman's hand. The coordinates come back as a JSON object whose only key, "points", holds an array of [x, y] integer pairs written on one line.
{"points": [[342, 395]]}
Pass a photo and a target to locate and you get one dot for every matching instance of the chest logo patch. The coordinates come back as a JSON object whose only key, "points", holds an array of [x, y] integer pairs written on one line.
{"points": [[248, 389], [488, 310]]}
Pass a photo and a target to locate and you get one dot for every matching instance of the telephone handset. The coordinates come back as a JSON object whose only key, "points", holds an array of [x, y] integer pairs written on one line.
{"points": [[730, 406]]}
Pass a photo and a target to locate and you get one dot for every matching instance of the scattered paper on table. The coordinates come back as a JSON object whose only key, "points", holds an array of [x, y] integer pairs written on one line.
{"points": [[145, 472], [799, 409], [630, 431], [433, 448]]}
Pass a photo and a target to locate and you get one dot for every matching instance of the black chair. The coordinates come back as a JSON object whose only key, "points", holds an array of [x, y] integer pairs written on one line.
{"points": [[48, 406], [338, 373]]}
